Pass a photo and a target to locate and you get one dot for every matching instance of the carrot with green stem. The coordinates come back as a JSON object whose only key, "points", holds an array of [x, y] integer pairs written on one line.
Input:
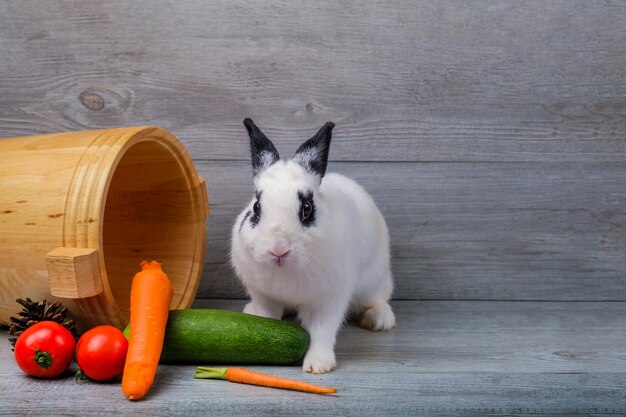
{"points": [[150, 296], [246, 376]]}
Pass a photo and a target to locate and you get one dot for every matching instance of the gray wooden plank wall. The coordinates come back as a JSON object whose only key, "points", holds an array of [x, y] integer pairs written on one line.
{"points": [[492, 134]]}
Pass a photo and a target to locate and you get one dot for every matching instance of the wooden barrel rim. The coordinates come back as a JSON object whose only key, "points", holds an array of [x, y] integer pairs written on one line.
{"points": [[85, 205]]}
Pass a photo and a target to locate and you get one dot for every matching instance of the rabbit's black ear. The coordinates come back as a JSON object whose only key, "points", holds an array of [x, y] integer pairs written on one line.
{"points": [[262, 149], [313, 154]]}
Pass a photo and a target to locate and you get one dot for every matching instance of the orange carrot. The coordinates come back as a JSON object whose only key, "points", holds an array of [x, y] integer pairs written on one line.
{"points": [[246, 376], [150, 297]]}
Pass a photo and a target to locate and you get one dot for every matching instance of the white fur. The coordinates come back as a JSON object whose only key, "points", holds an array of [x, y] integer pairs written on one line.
{"points": [[342, 261]]}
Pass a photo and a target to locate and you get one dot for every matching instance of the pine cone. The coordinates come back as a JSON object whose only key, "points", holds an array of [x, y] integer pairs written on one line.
{"points": [[34, 312]]}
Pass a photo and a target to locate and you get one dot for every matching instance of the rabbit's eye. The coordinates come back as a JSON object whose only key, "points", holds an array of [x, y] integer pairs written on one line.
{"points": [[307, 209], [256, 208]]}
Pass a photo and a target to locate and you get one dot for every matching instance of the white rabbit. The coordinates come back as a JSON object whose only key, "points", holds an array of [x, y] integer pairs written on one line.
{"points": [[312, 243]]}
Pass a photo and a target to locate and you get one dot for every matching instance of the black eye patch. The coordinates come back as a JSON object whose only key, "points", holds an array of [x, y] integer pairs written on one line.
{"points": [[248, 213], [255, 214], [255, 219], [307, 208]]}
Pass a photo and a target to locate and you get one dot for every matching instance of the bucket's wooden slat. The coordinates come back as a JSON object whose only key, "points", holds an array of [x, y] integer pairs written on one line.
{"points": [[205, 199]]}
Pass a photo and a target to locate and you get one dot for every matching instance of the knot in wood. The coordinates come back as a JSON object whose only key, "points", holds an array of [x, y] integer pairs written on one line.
{"points": [[92, 101], [565, 354]]}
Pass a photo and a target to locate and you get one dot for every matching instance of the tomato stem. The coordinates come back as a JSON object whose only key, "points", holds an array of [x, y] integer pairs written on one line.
{"points": [[80, 376], [43, 359]]}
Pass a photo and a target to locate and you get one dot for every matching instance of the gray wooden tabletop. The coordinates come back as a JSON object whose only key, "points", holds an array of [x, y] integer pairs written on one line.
{"points": [[452, 358]]}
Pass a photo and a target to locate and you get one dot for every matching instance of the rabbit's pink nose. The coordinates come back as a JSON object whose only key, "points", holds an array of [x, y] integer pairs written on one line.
{"points": [[280, 247], [279, 256], [280, 253]]}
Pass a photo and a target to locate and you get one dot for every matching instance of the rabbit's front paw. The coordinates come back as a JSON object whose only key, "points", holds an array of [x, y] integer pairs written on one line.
{"points": [[319, 361], [377, 318]]}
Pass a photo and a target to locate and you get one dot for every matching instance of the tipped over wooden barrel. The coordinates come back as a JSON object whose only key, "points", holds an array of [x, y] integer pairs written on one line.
{"points": [[79, 211]]}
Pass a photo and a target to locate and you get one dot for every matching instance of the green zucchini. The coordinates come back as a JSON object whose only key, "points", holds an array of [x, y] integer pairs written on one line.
{"points": [[201, 336]]}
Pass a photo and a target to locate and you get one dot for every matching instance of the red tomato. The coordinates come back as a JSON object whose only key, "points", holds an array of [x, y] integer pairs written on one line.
{"points": [[101, 352], [45, 349]]}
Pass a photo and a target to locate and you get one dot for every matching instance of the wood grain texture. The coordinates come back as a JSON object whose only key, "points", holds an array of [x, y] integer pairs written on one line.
{"points": [[404, 80], [523, 231], [500, 126], [444, 358], [127, 194]]}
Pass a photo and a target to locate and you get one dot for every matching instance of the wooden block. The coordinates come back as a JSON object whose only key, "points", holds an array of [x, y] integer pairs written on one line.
{"points": [[74, 272]]}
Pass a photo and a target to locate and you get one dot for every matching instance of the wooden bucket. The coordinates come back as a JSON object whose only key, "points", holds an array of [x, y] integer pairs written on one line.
{"points": [[79, 211]]}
